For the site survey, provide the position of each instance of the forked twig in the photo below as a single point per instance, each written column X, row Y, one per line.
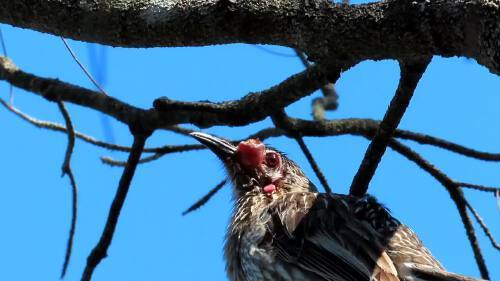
column 100, row 250
column 329, row 101
column 456, row 195
column 66, row 170
column 483, row 225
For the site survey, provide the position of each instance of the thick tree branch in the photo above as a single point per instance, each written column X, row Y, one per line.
column 382, row 30
column 410, row 75
column 249, row 109
column 100, row 250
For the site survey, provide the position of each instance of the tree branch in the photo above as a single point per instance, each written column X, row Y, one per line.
column 162, row 151
column 313, row 164
column 100, row 250
column 485, row 228
column 410, row 75
column 381, row 30
column 203, row 200
column 367, row 128
column 456, row 195
column 88, row 139
column 66, row 170
column 251, row 108
column 82, row 67
column 329, row 101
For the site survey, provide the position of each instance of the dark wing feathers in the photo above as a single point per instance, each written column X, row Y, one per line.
column 321, row 234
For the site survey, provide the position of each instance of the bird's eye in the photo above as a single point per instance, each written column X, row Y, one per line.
column 272, row 159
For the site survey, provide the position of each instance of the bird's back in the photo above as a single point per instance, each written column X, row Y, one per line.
column 311, row 236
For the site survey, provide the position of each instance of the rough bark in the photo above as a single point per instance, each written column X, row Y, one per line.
column 326, row 32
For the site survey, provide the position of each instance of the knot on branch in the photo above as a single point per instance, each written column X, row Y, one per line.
column 7, row 67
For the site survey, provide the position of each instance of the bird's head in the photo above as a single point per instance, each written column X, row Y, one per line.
column 254, row 167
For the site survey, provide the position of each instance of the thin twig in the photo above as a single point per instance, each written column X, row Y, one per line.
column 483, row 225
column 87, row 73
column 329, row 101
column 456, row 195
column 444, row 144
column 313, row 164
column 100, row 250
column 272, row 52
column 60, row 128
column 410, row 75
column 479, row 187
column 179, row 130
column 4, row 51
column 2, row 42
column 66, row 170
column 203, row 200
column 162, row 151
column 165, row 150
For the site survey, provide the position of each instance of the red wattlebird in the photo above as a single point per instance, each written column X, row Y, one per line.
column 282, row 229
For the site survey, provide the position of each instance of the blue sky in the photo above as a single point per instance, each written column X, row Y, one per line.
column 457, row 99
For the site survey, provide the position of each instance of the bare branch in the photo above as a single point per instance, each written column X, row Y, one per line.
column 410, row 75
column 254, row 106
column 380, row 30
column 444, row 144
column 203, row 200
column 313, row 164
column 60, row 128
column 479, row 187
column 481, row 222
column 161, row 151
column 2, row 44
column 100, row 250
column 87, row 73
column 164, row 150
column 329, row 101
column 365, row 128
column 249, row 109
column 5, row 54
column 456, row 195
column 275, row 53
column 66, row 170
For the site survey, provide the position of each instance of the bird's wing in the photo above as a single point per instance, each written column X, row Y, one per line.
column 319, row 233
column 430, row 273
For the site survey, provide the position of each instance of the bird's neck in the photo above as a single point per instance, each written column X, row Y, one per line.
column 249, row 209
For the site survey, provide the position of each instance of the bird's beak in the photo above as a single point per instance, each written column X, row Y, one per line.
column 222, row 148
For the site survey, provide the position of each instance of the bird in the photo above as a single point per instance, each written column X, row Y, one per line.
column 283, row 229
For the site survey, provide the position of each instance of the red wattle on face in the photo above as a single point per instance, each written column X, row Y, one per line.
column 250, row 153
